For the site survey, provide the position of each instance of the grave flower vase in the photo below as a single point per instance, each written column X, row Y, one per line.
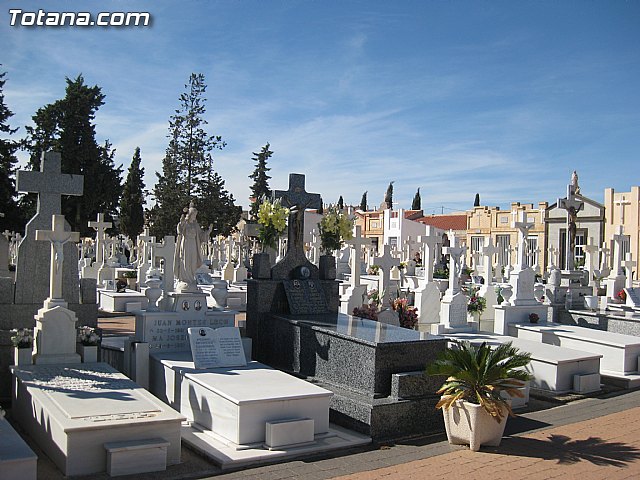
column 327, row 265
column 261, row 266
column 88, row 353
column 22, row 356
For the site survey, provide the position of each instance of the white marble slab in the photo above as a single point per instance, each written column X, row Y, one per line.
column 236, row 402
column 17, row 460
column 619, row 352
column 73, row 410
column 552, row 367
column 110, row 301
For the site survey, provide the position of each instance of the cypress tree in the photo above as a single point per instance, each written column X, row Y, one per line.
column 363, row 202
column 131, row 204
column 340, row 203
column 417, row 201
column 260, row 187
column 476, row 202
column 12, row 219
column 388, row 197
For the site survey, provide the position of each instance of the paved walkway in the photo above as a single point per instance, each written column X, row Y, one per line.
column 594, row 438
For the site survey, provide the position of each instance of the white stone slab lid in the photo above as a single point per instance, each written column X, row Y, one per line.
column 539, row 351
column 242, row 385
column 583, row 333
column 12, row 447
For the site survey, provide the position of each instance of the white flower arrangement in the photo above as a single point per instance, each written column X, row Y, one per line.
column 22, row 338
column 88, row 336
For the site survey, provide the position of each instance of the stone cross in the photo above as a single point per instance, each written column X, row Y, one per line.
column 357, row 242
column 33, row 257
column 428, row 242
column 58, row 236
column 618, row 239
column 454, row 252
column 297, row 200
column 50, row 184
column 166, row 251
column 409, row 246
column 553, row 256
column 591, row 250
column 475, row 256
column 572, row 205
column 386, row 263
column 523, row 232
column 628, row 265
column 488, row 251
column 605, row 251
column 100, row 226
column 622, row 203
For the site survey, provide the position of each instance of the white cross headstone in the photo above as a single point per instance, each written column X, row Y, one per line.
column 386, row 263
column 429, row 243
column 455, row 269
column 591, row 260
column 488, row 251
column 523, row 227
column 356, row 243
column 57, row 236
column 100, row 226
column 629, row 264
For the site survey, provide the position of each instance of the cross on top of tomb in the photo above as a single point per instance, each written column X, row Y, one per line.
column 386, row 263
column 50, row 184
column 100, row 225
column 488, row 251
column 357, row 242
column 572, row 205
column 58, row 236
column 297, row 199
column 455, row 269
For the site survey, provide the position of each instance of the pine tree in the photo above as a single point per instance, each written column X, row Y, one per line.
column 12, row 219
column 216, row 205
column 132, row 201
column 340, row 203
column 417, row 201
column 476, row 202
column 67, row 126
column 187, row 170
column 260, row 187
column 363, row 202
column 170, row 198
column 388, row 197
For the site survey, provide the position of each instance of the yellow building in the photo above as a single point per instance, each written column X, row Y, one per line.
column 623, row 208
column 486, row 223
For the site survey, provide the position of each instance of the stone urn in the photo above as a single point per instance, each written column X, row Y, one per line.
column 538, row 292
column 153, row 293
column 261, row 268
column 327, row 265
column 88, row 353
column 507, row 293
column 219, row 293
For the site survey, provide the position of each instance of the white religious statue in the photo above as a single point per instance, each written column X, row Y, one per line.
column 188, row 254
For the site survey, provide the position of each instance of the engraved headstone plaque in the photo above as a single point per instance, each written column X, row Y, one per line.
column 216, row 348
column 305, row 297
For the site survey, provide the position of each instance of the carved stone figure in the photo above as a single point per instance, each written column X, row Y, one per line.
column 188, row 254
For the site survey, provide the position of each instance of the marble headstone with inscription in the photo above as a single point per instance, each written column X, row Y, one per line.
column 216, row 348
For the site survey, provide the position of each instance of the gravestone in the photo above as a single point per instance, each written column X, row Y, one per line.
column 629, row 264
column 386, row 262
column 427, row 295
column 453, row 308
column 315, row 346
column 100, row 226
column 221, row 347
column 354, row 295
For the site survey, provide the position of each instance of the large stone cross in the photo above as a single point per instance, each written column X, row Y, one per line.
column 58, row 236
column 523, row 232
column 488, row 251
column 455, row 268
column 591, row 251
column 386, row 262
column 33, row 257
column 572, row 205
column 297, row 200
column 50, row 184
column 99, row 226
column 357, row 242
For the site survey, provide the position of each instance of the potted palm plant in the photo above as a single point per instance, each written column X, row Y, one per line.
column 474, row 408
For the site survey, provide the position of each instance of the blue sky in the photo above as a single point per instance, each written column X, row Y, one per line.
column 503, row 98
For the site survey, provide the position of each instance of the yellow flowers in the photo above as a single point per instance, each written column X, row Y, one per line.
column 335, row 228
column 272, row 217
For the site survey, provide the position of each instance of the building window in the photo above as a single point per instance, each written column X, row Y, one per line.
column 503, row 242
column 532, row 254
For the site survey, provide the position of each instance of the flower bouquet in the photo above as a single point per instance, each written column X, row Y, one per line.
column 335, row 228
column 622, row 296
column 476, row 302
column 22, row 338
column 272, row 217
column 407, row 316
column 88, row 336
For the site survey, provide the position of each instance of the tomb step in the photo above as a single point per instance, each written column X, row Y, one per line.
column 137, row 456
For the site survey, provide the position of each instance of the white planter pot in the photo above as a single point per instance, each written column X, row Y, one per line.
column 470, row 424
column 22, row 356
